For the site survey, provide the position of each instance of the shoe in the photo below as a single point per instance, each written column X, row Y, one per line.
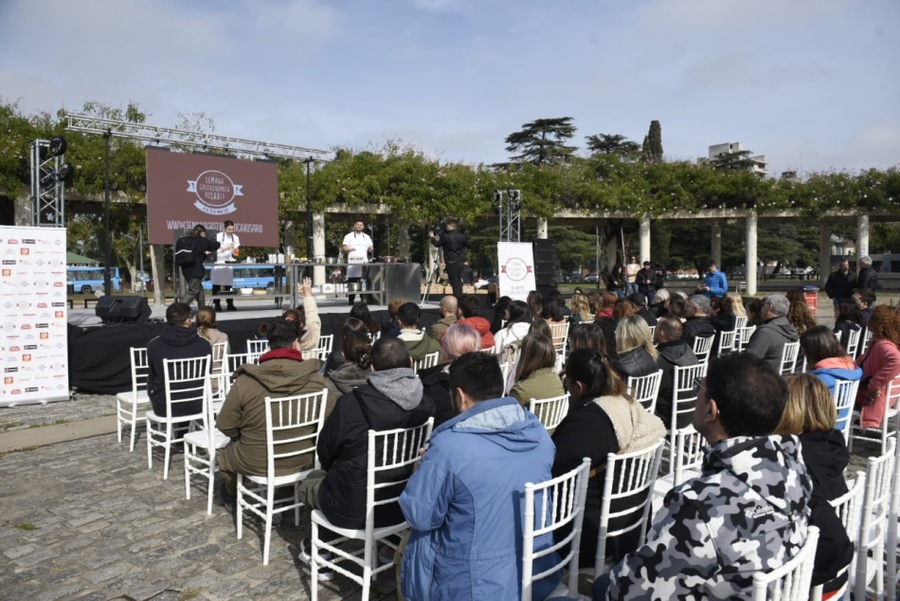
column 231, row 308
column 229, row 502
column 385, row 555
column 305, row 557
column 217, row 307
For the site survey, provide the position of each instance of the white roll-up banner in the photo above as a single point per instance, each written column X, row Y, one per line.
column 33, row 316
column 516, row 261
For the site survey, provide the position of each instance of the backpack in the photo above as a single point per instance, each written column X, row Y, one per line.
column 184, row 252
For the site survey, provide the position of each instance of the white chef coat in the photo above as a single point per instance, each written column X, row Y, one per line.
column 222, row 275
column 359, row 243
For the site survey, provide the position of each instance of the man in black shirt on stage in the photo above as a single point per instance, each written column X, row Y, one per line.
column 454, row 243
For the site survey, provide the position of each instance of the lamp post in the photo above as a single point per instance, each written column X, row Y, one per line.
column 309, row 222
column 107, row 282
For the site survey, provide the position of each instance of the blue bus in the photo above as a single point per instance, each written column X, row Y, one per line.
column 248, row 275
column 88, row 279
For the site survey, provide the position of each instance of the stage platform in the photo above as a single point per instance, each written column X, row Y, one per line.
column 99, row 354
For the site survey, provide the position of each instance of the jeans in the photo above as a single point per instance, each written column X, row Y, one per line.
column 630, row 288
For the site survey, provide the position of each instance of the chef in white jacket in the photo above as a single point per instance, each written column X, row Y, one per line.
column 222, row 276
column 357, row 246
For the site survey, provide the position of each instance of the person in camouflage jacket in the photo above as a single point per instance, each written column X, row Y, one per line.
column 747, row 512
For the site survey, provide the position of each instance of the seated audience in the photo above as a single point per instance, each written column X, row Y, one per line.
column 356, row 351
column 697, row 324
column 608, row 326
column 535, row 303
column 607, row 305
column 810, row 416
column 518, row 322
column 336, row 358
column 880, row 364
column 393, row 397
column 391, row 327
column 848, row 319
column 468, row 315
column 208, row 328
column 281, row 372
column 464, row 502
column 178, row 340
column 754, row 312
column 361, row 312
column 587, row 335
column 865, row 300
column 457, row 341
column 737, row 303
column 800, row 316
column 556, row 297
column 747, row 512
column 417, row 342
column 768, row 340
column 678, row 307
column 639, row 301
column 499, row 318
column 448, row 310
column 535, row 378
column 826, row 358
column 581, row 310
column 660, row 303
column 262, row 331
column 602, row 419
column 673, row 351
column 595, row 300
column 636, row 355
column 310, row 323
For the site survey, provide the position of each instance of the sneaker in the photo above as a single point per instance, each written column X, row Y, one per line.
column 229, row 502
column 305, row 557
column 385, row 555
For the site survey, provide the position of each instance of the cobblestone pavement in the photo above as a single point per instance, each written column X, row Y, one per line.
column 78, row 408
column 87, row 520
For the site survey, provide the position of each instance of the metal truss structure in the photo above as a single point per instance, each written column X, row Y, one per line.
column 510, row 214
column 48, row 190
column 190, row 139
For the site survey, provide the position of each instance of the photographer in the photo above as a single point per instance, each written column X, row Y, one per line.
column 454, row 244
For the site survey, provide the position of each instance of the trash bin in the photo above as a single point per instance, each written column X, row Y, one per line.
column 811, row 296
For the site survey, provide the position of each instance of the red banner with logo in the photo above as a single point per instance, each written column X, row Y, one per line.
column 184, row 190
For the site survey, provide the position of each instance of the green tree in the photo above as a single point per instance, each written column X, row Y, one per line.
column 543, row 141
column 612, row 144
column 654, row 142
column 733, row 161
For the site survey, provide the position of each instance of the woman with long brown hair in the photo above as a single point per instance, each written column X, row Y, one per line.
column 880, row 364
column 535, row 378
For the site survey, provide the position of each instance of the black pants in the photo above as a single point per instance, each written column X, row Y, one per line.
column 216, row 289
column 454, row 274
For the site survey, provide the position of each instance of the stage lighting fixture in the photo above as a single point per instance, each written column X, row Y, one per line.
column 64, row 172
column 58, row 146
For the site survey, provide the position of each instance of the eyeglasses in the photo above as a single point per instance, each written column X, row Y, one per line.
column 698, row 384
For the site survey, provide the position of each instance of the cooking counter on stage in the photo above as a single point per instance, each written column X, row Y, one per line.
column 384, row 281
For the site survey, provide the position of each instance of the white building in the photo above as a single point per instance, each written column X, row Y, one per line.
column 760, row 165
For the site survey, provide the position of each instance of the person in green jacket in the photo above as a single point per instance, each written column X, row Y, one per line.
column 535, row 378
column 417, row 342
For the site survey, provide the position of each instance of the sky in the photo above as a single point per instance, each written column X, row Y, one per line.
column 812, row 84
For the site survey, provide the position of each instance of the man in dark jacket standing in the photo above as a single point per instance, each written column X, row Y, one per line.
column 178, row 340
column 868, row 277
column 646, row 280
column 768, row 340
column 281, row 372
column 840, row 284
column 673, row 351
column 200, row 247
column 454, row 243
column 393, row 397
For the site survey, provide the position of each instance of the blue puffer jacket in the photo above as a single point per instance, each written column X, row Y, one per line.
column 466, row 502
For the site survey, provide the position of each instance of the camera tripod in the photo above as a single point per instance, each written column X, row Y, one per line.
column 436, row 273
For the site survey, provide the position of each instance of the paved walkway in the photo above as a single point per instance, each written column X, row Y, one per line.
column 86, row 519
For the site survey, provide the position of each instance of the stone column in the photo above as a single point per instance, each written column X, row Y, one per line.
column 750, row 255
column 158, row 269
column 716, row 248
column 645, row 239
column 824, row 253
column 541, row 228
column 862, row 235
column 319, row 247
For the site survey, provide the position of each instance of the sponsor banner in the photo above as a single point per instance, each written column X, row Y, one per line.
column 33, row 358
column 516, row 261
column 184, row 190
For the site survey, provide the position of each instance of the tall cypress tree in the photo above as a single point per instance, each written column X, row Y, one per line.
column 655, row 140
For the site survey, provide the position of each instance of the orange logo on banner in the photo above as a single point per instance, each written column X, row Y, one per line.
column 8, row 380
column 25, row 251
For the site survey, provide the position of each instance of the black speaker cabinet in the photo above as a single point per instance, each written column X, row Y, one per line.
column 123, row 309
